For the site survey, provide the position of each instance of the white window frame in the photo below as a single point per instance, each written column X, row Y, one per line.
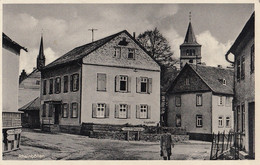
column 177, row 105
column 143, row 111
column 117, row 52
column 199, row 100
column 73, row 114
column 144, row 80
column 100, row 110
column 131, row 50
column 220, row 121
column 123, row 78
column 228, row 124
column 221, row 100
column 122, row 109
column 224, row 82
column 187, row 81
column 199, row 121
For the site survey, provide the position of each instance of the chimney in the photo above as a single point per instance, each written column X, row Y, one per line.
column 134, row 35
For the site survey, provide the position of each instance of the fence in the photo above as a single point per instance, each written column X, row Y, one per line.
column 226, row 146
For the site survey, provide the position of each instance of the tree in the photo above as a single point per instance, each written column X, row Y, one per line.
column 158, row 47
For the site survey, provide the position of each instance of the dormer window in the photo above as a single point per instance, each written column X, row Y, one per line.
column 131, row 53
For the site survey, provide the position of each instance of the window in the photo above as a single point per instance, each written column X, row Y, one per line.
column 220, row 121
column 199, row 100
column 100, row 110
column 187, row 52
column 243, row 117
column 50, row 108
column 44, row 87
column 122, row 83
column 57, row 85
column 51, row 87
column 221, row 101
column 74, row 110
column 37, row 82
column 44, row 110
column 178, row 120
column 117, row 53
column 198, row 120
column 143, row 112
column 190, row 61
column 131, row 53
column 242, row 67
column 122, row 111
column 224, row 82
column 74, row 82
column 187, row 81
column 177, row 101
column 238, row 119
column 101, row 82
column 228, row 101
column 252, row 59
column 65, row 112
column 66, row 84
column 143, row 85
column 228, row 121
column 238, row 69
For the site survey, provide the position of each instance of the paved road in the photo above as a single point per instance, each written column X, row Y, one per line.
column 42, row 146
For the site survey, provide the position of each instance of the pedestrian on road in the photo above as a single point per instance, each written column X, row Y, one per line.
column 166, row 146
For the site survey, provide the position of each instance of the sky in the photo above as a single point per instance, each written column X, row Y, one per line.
column 65, row 26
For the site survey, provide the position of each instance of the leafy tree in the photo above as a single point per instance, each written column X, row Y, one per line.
column 157, row 45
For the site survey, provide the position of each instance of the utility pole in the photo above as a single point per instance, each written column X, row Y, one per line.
column 92, row 30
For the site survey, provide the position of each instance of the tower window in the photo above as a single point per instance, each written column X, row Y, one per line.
column 187, row 52
column 190, row 61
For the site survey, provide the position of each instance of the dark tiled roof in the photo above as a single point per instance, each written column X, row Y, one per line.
column 10, row 42
column 33, row 105
column 81, row 51
column 213, row 77
column 190, row 38
column 169, row 76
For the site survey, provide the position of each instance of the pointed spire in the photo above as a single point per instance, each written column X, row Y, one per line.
column 41, row 51
column 41, row 56
column 190, row 36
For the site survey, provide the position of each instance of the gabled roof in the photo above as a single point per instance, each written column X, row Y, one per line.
column 190, row 38
column 79, row 52
column 213, row 77
column 34, row 74
column 248, row 28
column 33, row 105
column 169, row 76
column 9, row 42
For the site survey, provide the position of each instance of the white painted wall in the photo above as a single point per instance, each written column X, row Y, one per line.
column 221, row 110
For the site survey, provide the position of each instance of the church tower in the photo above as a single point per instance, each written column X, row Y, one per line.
column 190, row 49
column 41, row 57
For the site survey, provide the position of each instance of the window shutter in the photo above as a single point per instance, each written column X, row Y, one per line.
column 128, row 84
column 138, row 84
column 107, row 111
column 149, row 112
column 71, row 83
column 77, row 82
column 150, row 81
column 128, row 111
column 117, row 83
column 116, row 111
column 94, row 110
column 138, row 111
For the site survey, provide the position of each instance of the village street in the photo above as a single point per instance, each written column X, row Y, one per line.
column 60, row 146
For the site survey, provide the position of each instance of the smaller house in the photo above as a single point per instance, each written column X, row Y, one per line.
column 200, row 100
column 31, row 117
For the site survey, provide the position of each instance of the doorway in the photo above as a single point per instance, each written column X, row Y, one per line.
column 251, row 129
column 57, row 110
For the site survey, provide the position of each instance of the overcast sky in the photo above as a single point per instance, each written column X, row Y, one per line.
column 65, row 27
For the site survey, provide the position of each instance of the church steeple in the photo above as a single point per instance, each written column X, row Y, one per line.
column 190, row 49
column 41, row 57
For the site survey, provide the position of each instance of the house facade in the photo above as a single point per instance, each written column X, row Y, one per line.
column 110, row 81
column 11, row 118
column 243, row 50
column 200, row 100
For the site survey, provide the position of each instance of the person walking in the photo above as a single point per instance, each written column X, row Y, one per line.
column 166, row 146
